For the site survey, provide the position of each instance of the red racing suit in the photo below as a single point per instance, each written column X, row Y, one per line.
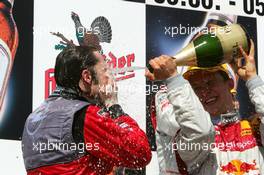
column 112, row 142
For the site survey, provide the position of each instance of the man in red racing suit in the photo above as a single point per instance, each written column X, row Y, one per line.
column 80, row 129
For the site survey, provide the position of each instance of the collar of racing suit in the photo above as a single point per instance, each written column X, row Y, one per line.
column 70, row 94
column 225, row 119
column 66, row 93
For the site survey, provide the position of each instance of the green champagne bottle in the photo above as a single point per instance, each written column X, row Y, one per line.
column 213, row 49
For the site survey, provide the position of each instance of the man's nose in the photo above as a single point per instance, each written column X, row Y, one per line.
column 204, row 91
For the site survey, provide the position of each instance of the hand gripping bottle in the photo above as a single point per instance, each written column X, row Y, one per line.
column 8, row 44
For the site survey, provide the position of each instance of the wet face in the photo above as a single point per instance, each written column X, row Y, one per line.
column 213, row 91
column 104, row 76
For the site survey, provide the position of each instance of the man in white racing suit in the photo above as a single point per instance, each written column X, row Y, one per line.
column 199, row 130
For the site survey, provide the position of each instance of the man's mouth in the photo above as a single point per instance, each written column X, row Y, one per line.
column 210, row 101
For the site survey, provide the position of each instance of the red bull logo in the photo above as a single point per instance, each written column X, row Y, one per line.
column 237, row 167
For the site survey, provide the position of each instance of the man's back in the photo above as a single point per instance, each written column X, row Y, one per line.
column 47, row 137
column 74, row 137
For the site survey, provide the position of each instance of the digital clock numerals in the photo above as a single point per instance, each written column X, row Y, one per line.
column 250, row 6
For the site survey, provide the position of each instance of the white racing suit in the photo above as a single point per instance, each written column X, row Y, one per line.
column 186, row 135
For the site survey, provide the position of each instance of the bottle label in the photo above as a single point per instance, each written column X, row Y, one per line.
column 5, row 60
column 231, row 37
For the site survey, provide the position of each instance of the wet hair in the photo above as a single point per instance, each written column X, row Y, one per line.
column 71, row 62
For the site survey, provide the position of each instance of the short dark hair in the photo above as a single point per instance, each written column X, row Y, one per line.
column 71, row 62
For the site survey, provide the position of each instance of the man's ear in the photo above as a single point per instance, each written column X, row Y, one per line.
column 86, row 76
